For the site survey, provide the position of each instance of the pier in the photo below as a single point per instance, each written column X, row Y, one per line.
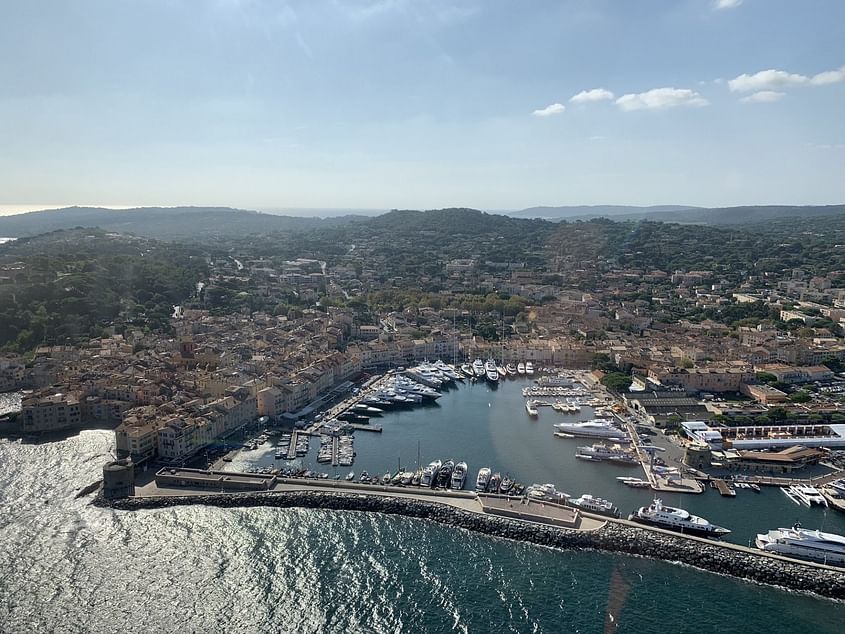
column 466, row 510
column 723, row 488
column 292, row 447
column 670, row 483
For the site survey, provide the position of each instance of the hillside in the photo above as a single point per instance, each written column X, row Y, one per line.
column 69, row 285
column 745, row 215
column 164, row 223
column 595, row 211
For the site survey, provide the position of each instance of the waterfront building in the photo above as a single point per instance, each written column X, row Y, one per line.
column 49, row 411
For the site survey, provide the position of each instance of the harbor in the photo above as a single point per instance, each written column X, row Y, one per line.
column 486, row 425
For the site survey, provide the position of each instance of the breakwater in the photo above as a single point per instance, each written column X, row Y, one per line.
column 614, row 537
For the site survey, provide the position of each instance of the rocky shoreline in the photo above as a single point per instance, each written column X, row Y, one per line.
column 614, row 537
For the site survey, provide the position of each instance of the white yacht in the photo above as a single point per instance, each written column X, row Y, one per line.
column 520, row 368
column 675, row 519
column 511, row 369
column 459, row 476
column 429, row 474
column 491, row 371
column 596, row 428
column 478, row 367
column 466, row 368
column 826, row 548
column 529, row 368
column 600, row 452
column 546, row 492
column 634, row 483
column 531, row 408
column 595, row 505
column 483, row 479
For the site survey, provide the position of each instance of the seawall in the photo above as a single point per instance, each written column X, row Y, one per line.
column 614, row 537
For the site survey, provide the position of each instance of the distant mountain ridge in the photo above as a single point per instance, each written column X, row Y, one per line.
column 208, row 223
column 593, row 211
column 166, row 223
column 748, row 214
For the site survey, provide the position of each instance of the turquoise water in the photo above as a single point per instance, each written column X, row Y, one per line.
column 66, row 566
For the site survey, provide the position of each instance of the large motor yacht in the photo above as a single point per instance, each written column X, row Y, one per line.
column 675, row 519
column 827, row 548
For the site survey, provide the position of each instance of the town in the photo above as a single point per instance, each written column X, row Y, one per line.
column 262, row 336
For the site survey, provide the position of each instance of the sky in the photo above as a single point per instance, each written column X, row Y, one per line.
column 492, row 104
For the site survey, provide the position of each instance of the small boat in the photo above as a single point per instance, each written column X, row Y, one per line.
column 365, row 477
column 385, row 479
column 429, row 474
column 506, row 485
column 444, row 475
column 493, row 485
column 531, row 408
column 482, row 480
column 459, row 476
column 350, row 476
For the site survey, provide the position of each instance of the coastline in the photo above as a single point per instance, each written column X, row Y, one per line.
column 615, row 536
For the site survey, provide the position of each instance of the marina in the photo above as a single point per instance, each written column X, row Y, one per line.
column 486, row 425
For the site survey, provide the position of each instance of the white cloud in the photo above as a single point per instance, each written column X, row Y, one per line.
column 588, row 96
column 548, row 111
column 764, row 96
column 727, row 4
column 828, row 77
column 771, row 79
column 766, row 80
column 660, row 98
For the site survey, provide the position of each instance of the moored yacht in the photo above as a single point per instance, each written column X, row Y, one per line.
column 493, row 485
column 459, row 476
column 466, row 368
column 444, row 474
column 491, row 371
column 596, row 428
column 506, row 485
column 531, row 408
column 675, row 519
column 478, row 367
column 483, row 479
column 529, row 368
column 826, row 548
column 511, row 369
column 520, row 368
column 593, row 504
column 429, row 474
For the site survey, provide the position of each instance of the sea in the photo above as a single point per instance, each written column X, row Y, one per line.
column 67, row 566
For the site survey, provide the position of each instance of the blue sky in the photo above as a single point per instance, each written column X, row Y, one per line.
column 416, row 104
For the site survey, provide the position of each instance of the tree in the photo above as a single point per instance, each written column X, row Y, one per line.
column 766, row 377
column 616, row 381
column 801, row 396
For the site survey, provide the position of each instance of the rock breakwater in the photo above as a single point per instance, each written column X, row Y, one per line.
column 614, row 537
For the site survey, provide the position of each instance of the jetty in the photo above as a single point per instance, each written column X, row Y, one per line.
column 723, row 488
column 509, row 519
column 292, row 447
